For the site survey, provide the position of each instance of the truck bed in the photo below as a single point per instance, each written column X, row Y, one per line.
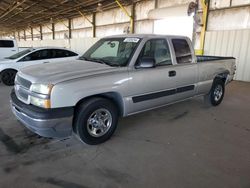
column 204, row 58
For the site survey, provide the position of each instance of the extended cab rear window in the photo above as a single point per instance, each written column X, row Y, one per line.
column 182, row 51
column 6, row 44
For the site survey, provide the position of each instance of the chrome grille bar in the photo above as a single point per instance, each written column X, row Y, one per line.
column 23, row 82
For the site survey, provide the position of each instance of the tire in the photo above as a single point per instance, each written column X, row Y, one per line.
column 216, row 93
column 8, row 77
column 95, row 121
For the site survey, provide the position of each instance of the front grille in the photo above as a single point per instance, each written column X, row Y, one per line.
column 22, row 87
column 23, row 82
column 23, row 94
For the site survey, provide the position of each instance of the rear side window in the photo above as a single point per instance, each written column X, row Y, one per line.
column 57, row 53
column 182, row 51
column 6, row 44
column 70, row 54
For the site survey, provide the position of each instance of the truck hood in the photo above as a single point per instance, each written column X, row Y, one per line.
column 54, row 73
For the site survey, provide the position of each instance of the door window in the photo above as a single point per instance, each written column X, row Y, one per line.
column 70, row 53
column 37, row 55
column 58, row 53
column 182, row 51
column 157, row 49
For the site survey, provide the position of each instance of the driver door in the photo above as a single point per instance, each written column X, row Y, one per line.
column 153, row 87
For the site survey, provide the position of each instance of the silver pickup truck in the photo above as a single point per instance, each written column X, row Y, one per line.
column 118, row 76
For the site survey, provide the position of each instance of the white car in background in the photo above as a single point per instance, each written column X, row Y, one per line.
column 32, row 56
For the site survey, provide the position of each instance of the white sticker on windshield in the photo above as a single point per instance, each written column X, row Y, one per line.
column 135, row 40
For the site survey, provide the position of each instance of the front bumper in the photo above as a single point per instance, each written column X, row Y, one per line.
column 53, row 123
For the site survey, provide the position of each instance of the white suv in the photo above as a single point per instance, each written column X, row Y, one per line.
column 8, row 47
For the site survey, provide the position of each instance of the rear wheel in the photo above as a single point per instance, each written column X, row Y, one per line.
column 8, row 77
column 95, row 121
column 216, row 93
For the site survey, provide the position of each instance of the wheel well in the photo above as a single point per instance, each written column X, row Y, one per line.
column 114, row 97
column 4, row 71
column 222, row 76
column 7, row 70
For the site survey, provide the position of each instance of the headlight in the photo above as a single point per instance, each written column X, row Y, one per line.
column 42, row 88
column 44, row 103
column 41, row 95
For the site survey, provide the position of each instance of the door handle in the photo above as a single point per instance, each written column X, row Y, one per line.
column 172, row 73
column 46, row 62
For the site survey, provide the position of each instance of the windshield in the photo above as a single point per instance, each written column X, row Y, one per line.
column 112, row 51
column 19, row 54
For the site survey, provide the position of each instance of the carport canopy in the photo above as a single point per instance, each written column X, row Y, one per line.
column 20, row 14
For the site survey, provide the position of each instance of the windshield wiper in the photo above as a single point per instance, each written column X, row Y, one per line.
column 97, row 61
column 92, row 59
column 83, row 58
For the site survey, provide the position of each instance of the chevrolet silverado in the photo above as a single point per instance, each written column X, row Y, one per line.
column 118, row 76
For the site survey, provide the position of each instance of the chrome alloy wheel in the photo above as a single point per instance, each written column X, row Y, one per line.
column 99, row 122
column 218, row 92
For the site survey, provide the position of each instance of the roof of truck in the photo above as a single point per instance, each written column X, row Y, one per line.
column 145, row 36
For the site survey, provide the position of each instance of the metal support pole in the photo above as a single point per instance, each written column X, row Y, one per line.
column 41, row 32
column 24, row 35
column 18, row 34
column 70, row 31
column 205, row 5
column 156, row 4
column 94, row 24
column 53, row 31
column 131, row 17
column 32, row 36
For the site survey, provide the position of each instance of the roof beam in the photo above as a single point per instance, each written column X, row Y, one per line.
column 40, row 12
column 11, row 8
column 26, row 8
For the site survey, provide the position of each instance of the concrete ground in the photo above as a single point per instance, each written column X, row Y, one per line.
column 184, row 145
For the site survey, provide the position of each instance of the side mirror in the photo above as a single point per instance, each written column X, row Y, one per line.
column 146, row 62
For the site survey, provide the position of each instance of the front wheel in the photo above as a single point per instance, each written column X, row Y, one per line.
column 216, row 93
column 8, row 77
column 95, row 121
